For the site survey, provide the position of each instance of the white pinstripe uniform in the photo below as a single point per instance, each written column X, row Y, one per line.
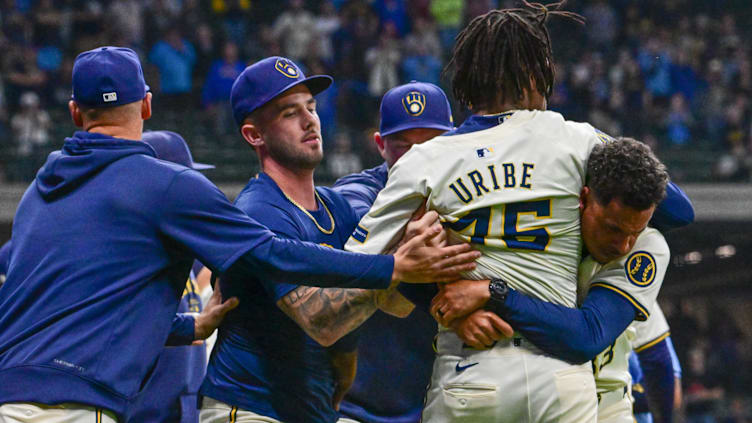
column 638, row 277
column 513, row 190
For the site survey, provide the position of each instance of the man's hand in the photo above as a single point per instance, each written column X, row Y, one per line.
column 210, row 318
column 481, row 329
column 458, row 299
column 418, row 261
column 345, row 367
column 392, row 302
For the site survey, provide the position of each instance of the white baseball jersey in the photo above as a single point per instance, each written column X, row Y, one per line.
column 511, row 188
column 638, row 277
column 651, row 331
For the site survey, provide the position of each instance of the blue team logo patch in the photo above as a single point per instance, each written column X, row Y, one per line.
column 414, row 103
column 286, row 68
column 640, row 268
column 360, row 234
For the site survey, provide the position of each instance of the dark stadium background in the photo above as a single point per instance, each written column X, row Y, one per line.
column 676, row 74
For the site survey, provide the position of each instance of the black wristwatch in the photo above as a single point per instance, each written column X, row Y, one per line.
column 499, row 291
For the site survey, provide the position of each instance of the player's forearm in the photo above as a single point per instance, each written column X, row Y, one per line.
column 659, row 379
column 572, row 334
column 292, row 261
column 328, row 314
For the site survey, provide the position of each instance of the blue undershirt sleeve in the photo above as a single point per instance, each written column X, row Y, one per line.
column 658, row 379
column 221, row 236
column 419, row 294
column 572, row 334
column 182, row 330
column 674, row 211
column 305, row 263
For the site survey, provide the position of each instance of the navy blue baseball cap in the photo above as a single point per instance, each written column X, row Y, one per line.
column 108, row 77
column 171, row 147
column 266, row 79
column 415, row 105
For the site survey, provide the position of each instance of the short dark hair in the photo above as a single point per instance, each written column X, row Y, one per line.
column 626, row 170
column 499, row 52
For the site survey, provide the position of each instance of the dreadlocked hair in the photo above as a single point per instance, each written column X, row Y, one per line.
column 496, row 55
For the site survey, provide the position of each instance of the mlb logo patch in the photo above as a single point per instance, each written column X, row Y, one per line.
column 109, row 97
column 360, row 234
column 484, row 152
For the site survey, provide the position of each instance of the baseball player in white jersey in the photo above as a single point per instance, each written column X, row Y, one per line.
column 508, row 180
column 638, row 276
column 620, row 275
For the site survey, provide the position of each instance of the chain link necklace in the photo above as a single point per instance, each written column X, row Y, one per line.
column 303, row 209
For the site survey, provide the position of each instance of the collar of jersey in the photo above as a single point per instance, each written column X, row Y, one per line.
column 476, row 123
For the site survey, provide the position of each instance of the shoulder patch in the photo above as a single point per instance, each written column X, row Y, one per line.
column 640, row 268
column 360, row 234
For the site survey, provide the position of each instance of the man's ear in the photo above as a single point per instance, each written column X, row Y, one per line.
column 252, row 135
column 146, row 107
column 584, row 197
column 379, row 140
column 75, row 113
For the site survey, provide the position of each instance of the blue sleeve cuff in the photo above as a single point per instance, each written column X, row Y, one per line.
column 571, row 334
column 182, row 331
column 419, row 294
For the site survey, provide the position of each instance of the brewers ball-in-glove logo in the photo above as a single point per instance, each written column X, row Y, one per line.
column 640, row 268
column 286, row 68
column 414, row 103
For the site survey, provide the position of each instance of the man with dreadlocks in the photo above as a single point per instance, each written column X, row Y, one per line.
column 507, row 180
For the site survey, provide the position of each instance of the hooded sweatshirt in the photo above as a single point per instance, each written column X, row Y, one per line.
column 103, row 241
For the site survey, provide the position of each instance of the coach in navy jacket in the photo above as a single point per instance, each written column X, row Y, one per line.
column 103, row 241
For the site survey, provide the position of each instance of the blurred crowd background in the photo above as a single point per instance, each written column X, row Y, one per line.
column 676, row 74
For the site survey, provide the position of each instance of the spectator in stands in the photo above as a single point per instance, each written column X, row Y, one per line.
column 175, row 57
column 296, row 28
column 448, row 16
column 342, row 160
column 21, row 73
column 128, row 21
column 30, row 131
column 393, row 12
column 678, row 122
column 423, row 36
column 382, row 60
column 216, row 92
column 421, row 66
column 326, row 24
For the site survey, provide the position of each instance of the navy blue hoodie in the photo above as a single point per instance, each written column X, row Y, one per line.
column 103, row 241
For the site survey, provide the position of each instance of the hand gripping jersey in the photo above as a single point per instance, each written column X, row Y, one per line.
column 638, row 277
column 508, row 183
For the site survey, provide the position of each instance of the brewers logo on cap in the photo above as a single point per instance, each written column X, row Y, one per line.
column 640, row 268
column 414, row 103
column 286, row 68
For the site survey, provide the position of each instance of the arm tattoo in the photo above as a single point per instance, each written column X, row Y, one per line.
column 329, row 313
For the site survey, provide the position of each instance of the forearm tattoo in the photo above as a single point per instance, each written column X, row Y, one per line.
column 329, row 312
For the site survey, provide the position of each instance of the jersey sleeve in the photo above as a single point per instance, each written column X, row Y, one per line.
column 650, row 332
column 405, row 191
column 358, row 195
column 638, row 276
column 283, row 225
column 198, row 216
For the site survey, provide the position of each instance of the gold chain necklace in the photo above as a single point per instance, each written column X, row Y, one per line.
column 331, row 219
